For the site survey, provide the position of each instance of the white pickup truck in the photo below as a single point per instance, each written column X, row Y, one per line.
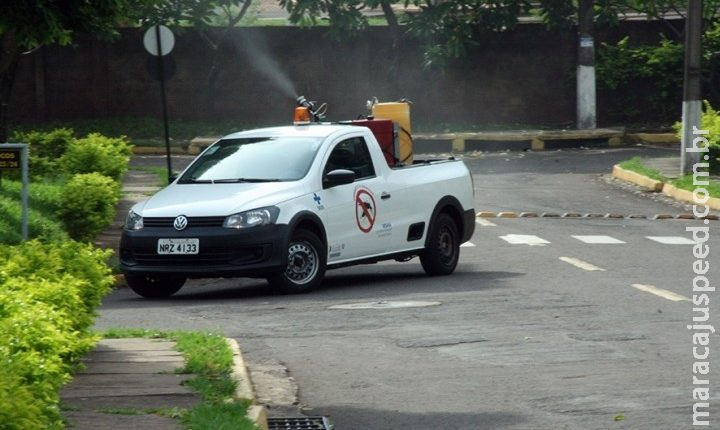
column 287, row 203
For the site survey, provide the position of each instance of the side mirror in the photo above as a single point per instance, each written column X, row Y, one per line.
column 338, row 177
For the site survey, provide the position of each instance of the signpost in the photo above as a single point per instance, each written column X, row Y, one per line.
column 14, row 156
column 159, row 41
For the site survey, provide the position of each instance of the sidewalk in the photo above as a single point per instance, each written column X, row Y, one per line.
column 130, row 384
column 125, row 384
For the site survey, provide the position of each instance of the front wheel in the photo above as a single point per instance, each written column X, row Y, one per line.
column 442, row 253
column 154, row 287
column 305, row 265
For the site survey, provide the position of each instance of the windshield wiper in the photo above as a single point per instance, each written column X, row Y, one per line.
column 195, row 181
column 239, row 180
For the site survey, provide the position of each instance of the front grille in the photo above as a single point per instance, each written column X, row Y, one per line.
column 198, row 221
column 299, row 423
column 204, row 258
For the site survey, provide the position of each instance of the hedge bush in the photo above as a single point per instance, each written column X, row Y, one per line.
column 48, row 297
column 97, row 153
column 44, row 203
column 46, row 148
column 709, row 120
column 88, row 204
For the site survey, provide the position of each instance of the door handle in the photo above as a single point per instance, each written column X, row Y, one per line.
column 385, row 195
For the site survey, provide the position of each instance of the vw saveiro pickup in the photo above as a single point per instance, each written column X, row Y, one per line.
column 288, row 203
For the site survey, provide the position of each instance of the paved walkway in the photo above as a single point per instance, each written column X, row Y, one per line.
column 127, row 384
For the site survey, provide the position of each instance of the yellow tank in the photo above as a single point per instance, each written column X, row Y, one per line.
column 399, row 113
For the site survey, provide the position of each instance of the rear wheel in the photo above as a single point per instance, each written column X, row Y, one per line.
column 306, row 264
column 441, row 255
column 154, row 287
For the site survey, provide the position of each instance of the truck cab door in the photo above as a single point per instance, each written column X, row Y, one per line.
column 353, row 212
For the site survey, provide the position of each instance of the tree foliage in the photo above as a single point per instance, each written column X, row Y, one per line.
column 212, row 20
column 650, row 76
column 28, row 24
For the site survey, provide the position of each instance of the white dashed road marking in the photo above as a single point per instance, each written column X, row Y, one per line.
column 582, row 264
column 524, row 239
column 665, row 294
column 672, row 240
column 599, row 240
column 467, row 245
column 485, row 223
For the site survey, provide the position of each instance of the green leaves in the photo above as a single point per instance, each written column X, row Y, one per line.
column 40, row 22
column 97, row 153
column 48, row 296
column 88, row 204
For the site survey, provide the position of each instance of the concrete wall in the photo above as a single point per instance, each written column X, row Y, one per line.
column 524, row 76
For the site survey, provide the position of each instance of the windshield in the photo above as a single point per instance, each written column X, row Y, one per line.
column 258, row 159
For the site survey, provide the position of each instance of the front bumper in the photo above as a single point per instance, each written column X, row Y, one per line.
column 223, row 252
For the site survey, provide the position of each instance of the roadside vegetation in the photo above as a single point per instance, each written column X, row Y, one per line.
column 210, row 359
column 139, row 131
column 636, row 165
column 709, row 120
column 48, row 295
column 75, row 186
column 51, row 285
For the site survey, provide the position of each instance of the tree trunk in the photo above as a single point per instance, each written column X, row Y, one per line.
column 9, row 59
column 394, row 67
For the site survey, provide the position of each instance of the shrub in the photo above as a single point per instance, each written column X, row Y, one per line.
column 709, row 120
column 97, row 153
column 645, row 77
column 46, row 148
column 48, row 297
column 58, row 262
column 44, row 201
column 18, row 409
column 88, row 204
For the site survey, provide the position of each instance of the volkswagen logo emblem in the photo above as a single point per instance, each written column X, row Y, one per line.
column 180, row 223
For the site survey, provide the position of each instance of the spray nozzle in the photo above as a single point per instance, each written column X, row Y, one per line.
column 317, row 113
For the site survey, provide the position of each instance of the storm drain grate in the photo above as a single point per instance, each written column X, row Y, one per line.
column 299, row 423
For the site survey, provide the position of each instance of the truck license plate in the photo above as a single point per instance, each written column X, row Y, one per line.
column 178, row 246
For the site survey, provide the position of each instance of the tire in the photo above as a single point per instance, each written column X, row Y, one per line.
column 306, row 264
column 442, row 252
column 153, row 287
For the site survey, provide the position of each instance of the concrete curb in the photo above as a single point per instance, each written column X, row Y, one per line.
column 658, row 186
column 687, row 196
column 662, row 139
column 637, row 179
column 245, row 390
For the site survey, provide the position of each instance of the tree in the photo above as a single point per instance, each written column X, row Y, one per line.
column 650, row 76
column 26, row 25
column 347, row 19
column 212, row 20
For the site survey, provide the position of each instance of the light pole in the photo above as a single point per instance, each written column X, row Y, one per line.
column 586, row 99
column 692, row 96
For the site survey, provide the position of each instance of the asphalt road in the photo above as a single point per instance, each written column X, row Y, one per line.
column 546, row 324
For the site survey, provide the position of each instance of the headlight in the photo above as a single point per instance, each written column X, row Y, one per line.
column 133, row 221
column 252, row 218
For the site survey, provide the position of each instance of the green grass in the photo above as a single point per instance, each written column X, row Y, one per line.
column 43, row 202
column 635, row 164
column 210, row 359
column 684, row 183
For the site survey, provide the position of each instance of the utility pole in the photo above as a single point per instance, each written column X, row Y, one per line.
column 586, row 100
column 692, row 96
